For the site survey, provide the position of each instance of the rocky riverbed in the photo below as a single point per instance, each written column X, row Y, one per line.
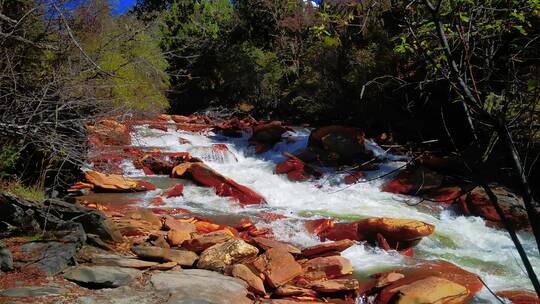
column 177, row 209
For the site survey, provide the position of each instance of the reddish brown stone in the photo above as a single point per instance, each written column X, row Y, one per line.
column 327, row 247
column 327, row 268
column 519, row 296
column 266, row 244
column 278, row 266
column 175, row 191
column 200, row 243
column 414, row 180
column 244, row 273
column 336, row 285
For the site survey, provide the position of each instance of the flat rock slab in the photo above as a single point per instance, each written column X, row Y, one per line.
column 182, row 257
column 200, row 286
column 32, row 291
column 50, row 257
column 102, row 276
column 122, row 261
column 122, row 295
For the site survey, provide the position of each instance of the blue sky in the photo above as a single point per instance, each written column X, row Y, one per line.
column 121, row 6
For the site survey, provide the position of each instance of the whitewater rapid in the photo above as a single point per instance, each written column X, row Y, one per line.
column 465, row 241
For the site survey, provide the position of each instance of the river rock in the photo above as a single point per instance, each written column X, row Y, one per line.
column 108, row 132
column 428, row 290
column 175, row 191
column 218, row 256
column 170, row 223
column 477, row 203
column 519, row 296
column 327, row 247
column 200, row 286
column 336, row 285
column 102, row 276
column 243, row 272
column 182, row 257
column 266, row 244
column 223, row 186
column 278, row 266
column 177, row 237
column 268, row 134
column 291, row 290
column 50, row 257
column 327, row 268
column 413, row 180
column 6, row 259
column 116, row 183
column 121, row 261
column 202, row 242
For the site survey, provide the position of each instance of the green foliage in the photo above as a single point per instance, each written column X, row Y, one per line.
column 9, row 156
column 17, row 188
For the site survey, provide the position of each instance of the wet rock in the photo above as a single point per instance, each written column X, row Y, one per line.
column 223, row 186
column 177, row 190
column 336, row 285
column 224, row 254
column 165, row 266
column 439, row 269
column 202, row 242
column 519, row 296
column 327, row 268
column 445, row 195
column 182, row 257
column 278, row 266
column 101, row 276
column 122, row 261
column 339, row 246
column 218, row 153
column 177, row 237
column 413, row 180
column 353, row 178
column 339, row 231
column 200, row 286
column 346, row 143
column 268, row 134
column 32, row 291
column 266, row 244
column 297, row 170
column 244, row 273
column 116, row 183
column 427, row 290
column 6, row 258
column 477, row 203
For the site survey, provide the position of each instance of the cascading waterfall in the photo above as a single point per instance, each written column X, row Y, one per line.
column 465, row 241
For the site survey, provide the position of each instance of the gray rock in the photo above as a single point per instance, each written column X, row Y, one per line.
column 102, row 276
column 219, row 256
column 50, row 257
column 6, row 259
column 32, row 291
column 182, row 257
column 196, row 286
column 122, row 261
column 122, row 295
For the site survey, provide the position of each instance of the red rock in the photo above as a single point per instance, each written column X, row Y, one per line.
column 170, row 211
column 439, row 269
column 413, row 180
column 108, row 132
column 291, row 290
column 289, row 165
column 394, row 229
column 336, row 285
column 316, row 136
column 327, row 268
column 427, row 290
column 181, row 119
column 170, row 223
column 269, row 132
column 244, row 273
column 341, row 231
column 327, row 247
column 175, row 191
column 477, row 203
column 161, row 163
column 147, row 171
column 162, row 127
column 278, row 267
column 202, row 242
column 223, row 186
column 116, row 183
column 354, row 177
column 271, row 217
column 519, row 296
column 445, row 195
column 177, row 237
column 157, row 201
column 318, row 226
column 266, row 244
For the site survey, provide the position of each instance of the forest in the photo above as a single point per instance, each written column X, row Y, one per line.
column 449, row 88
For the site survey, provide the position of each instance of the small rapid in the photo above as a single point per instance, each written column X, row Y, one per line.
column 465, row 241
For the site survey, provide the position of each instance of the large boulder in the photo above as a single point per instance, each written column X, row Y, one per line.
column 102, row 276
column 297, row 170
column 430, row 290
column 223, row 186
column 519, row 296
column 478, row 203
column 345, row 144
column 202, row 242
column 224, row 254
column 331, row 267
column 278, row 266
column 243, row 272
column 200, row 286
column 327, row 247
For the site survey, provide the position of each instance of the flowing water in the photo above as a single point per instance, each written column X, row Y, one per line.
column 465, row 241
